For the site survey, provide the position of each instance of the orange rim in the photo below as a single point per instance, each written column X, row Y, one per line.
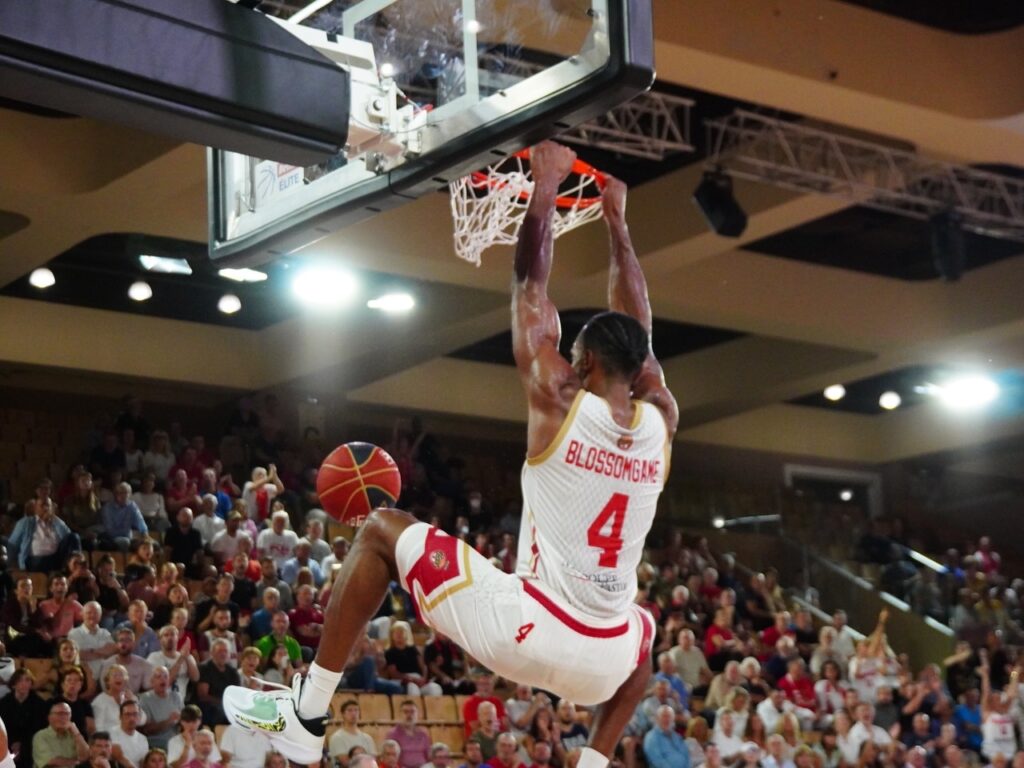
column 579, row 168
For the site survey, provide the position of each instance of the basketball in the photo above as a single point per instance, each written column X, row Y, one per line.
column 355, row 479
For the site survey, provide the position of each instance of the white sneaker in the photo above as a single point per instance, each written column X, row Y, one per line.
column 275, row 714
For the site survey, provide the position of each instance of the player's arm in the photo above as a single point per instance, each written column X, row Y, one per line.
column 627, row 293
column 535, row 326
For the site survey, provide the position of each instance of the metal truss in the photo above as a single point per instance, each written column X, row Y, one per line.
column 794, row 156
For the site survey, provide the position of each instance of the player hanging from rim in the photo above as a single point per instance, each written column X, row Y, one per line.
column 598, row 442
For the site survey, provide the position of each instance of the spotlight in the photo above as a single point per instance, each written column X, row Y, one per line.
column 165, row 264
column 718, row 521
column 243, row 275
column 229, row 304
column 41, row 278
column 968, row 393
column 846, row 495
column 835, row 392
column 949, row 248
column 392, row 302
column 890, row 400
column 473, row 27
column 140, row 291
column 387, row 69
column 324, row 287
column 714, row 198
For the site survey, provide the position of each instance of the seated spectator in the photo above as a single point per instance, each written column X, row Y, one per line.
column 690, row 663
column 280, row 637
column 23, row 713
column 203, row 746
column 177, row 597
column 826, row 651
column 122, row 520
column 60, row 741
column 413, row 739
column 140, row 561
column 777, row 665
column 181, row 748
column 207, row 522
column 777, row 757
column 279, row 667
column 389, row 754
column 179, row 663
column 70, row 689
column 572, row 734
column 720, row 645
column 20, row 616
column 151, row 504
column 727, row 738
column 404, row 661
column 506, row 753
column 42, row 541
column 302, row 559
column 348, row 735
column 446, row 664
column 249, row 662
column 307, row 622
column 484, row 682
column 146, row 641
column 182, row 542
column 241, row 748
column 81, row 581
column 95, row 644
column 130, row 745
column 215, row 675
column 361, row 673
column 159, row 458
column 798, row 687
column 186, row 637
column 667, row 672
column 144, row 588
column 100, row 752
column 180, row 493
column 221, row 600
column 318, row 548
column 723, row 684
column 277, row 541
column 162, row 707
column 865, row 730
column 137, row 668
column 269, row 579
column 58, row 614
column 112, row 597
column 82, row 508
column 487, row 730
column 220, row 630
column 69, row 660
column 781, row 627
column 259, row 623
column 830, row 692
column 223, row 488
column 754, row 682
column 663, row 747
column 339, row 550
column 967, row 717
column 106, row 707
column 224, row 544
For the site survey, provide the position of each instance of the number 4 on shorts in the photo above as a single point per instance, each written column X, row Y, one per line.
column 524, row 631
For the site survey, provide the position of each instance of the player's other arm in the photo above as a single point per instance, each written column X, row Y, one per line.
column 627, row 293
column 546, row 375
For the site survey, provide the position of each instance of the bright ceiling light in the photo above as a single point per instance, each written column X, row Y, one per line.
column 967, row 393
column 324, row 287
column 392, row 302
column 387, row 69
column 718, row 522
column 229, row 304
column 166, row 265
column 846, row 495
column 243, row 275
column 890, row 400
column 41, row 278
column 140, row 291
column 473, row 27
column 835, row 392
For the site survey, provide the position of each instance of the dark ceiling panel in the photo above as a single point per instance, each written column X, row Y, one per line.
column 865, row 240
column 670, row 339
column 966, row 17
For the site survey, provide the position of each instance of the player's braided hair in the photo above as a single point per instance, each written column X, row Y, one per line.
column 618, row 341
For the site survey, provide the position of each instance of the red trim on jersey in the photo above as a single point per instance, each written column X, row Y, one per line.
column 576, row 626
column 647, row 638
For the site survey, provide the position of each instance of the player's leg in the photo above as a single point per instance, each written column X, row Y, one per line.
column 613, row 716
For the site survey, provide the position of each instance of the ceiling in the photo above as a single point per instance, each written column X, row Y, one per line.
column 816, row 291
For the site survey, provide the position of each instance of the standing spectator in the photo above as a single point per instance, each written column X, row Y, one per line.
column 94, row 642
column 348, row 735
column 224, row 544
column 277, row 541
column 413, row 739
column 259, row 492
column 163, row 710
column 130, row 746
column 215, row 675
column 663, row 747
column 60, row 743
column 42, row 541
column 180, row 664
column 23, row 713
column 181, row 749
column 137, row 668
column 183, row 543
column 107, row 456
column 58, row 614
column 207, row 523
column 243, row 748
column 307, row 619
column 146, row 641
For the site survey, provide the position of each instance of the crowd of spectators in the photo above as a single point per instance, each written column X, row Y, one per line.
column 173, row 571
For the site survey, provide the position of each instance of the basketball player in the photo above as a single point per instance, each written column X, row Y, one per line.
column 598, row 443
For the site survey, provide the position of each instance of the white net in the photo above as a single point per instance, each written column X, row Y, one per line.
column 488, row 206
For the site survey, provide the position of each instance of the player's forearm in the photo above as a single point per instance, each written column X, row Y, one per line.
column 536, row 237
column 627, row 287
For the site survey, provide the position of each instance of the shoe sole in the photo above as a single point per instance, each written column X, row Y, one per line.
column 297, row 753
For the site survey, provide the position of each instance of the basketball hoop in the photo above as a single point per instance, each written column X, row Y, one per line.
column 489, row 206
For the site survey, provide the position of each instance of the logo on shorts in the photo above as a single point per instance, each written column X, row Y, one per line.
column 439, row 559
column 625, row 443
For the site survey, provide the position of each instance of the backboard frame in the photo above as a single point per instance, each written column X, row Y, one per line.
column 628, row 70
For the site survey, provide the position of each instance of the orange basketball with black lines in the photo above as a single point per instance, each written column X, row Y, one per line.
column 355, row 479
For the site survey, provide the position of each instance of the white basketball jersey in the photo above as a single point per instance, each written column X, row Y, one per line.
column 588, row 503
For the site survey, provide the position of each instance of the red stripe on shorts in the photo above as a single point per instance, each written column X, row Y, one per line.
column 569, row 621
column 647, row 638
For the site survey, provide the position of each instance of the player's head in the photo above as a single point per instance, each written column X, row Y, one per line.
column 614, row 343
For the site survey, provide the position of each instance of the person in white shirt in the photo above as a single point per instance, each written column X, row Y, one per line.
column 181, row 664
column 259, row 493
column 318, row 548
column 95, row 644
column 207, row 522
column 339, row 549
column 866, row 730
column 181, row 749
column 243, row 748
column 728, row 741
column 773, row 708
column 845, row 642
column 225, row 544
column 151, row 504
column 130, row 746
column 775, row 747
column 277, row 541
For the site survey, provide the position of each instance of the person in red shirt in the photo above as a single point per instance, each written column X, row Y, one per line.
column 484, row 692
column 307, row 620
column 709, row 589
column 189, row 461
column 783, row 626
column 719, row 641
column 508, row 756
column 798, row 686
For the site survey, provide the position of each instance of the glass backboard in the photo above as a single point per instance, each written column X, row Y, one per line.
column 439, row 88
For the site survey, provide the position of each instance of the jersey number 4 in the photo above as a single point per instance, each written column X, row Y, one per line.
column 605, row 533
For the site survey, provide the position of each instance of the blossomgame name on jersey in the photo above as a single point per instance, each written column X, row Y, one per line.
column 601, row 461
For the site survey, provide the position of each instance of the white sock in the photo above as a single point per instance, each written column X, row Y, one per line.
column 590, row 758
column 317, row 690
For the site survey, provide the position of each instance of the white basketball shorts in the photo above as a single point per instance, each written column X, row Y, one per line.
column 517, row 627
